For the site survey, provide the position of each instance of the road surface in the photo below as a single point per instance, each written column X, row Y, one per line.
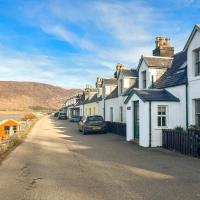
column 56, row 162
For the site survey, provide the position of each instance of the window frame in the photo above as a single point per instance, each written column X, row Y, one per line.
column 161, row 116
column 144, row 79
column 197, row 62
column 197, row 114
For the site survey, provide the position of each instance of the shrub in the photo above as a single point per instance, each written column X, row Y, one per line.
column 29, row 116
column 179, row 129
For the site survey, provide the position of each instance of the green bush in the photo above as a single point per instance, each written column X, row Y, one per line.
column 179, row 129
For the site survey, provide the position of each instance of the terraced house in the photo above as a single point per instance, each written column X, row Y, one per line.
column 168, row 93
column 161, row 93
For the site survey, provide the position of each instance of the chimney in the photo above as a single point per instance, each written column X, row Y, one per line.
column 119, row 67
column 163, row 47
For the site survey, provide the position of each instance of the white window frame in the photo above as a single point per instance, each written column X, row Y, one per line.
column 196, row 113
column 161, row 116
column 197, row 62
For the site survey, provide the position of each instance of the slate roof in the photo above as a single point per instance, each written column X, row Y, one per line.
column 92, row 99
column 176, row 74
column 157, row 61
column 110, row 81
column 129, row 90
column 113, row 94
column 152, row 95
column 129, row 72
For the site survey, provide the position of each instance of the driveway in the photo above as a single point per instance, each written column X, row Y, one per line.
column 56, row 162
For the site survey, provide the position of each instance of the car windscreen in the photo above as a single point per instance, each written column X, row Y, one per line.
column 95, row 118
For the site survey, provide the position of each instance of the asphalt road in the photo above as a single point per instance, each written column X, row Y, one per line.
column 56, row 162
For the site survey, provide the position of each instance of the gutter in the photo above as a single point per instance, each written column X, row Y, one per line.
column 150, row 134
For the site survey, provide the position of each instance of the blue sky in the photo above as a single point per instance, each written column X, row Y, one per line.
column 71, row 42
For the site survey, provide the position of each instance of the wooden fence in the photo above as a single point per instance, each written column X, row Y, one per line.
column 187, row 142
column 117, row 128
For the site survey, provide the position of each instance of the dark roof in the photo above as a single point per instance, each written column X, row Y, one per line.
column 129, row 90
column 129, row 72
column 92, row 99
column 152, row 95
column 110, row 81
column 176, row 74
column 113, row 94
column 195, row 29
column 157, row 61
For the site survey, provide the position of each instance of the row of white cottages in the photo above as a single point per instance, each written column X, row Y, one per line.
column 162, row 93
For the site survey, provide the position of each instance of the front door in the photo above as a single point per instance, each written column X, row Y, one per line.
column 136, row 119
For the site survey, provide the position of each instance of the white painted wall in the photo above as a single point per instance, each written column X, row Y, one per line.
column 180, row 109
column 194, row 81
column 112, row 103
column 143, row 124
column 174, row 119
column 101, row 107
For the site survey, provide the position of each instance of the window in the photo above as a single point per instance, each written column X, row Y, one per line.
column 197, row 62
column 144, row 79
column 94, row 110
column 197, row 112
column 121, row 113
column 162, row 116
column 7, row 129
column 111, row 114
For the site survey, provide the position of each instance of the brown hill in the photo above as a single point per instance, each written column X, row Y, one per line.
column 32, row 96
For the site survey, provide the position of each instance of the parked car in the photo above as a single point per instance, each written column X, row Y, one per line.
column 56, row 114
column 75, row 118
column 93, row 123
column 62, row 116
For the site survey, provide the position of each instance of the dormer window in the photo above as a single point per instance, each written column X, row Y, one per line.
column 144, row 79
column 197, row 62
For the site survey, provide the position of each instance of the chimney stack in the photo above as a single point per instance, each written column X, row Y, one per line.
column 163, row 47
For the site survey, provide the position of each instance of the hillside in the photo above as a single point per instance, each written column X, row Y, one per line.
column 32, row 96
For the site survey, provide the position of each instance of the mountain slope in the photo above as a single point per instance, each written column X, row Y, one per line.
column 32, row 96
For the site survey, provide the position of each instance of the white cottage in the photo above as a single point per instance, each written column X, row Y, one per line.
column 160, row 101
column 192, row 49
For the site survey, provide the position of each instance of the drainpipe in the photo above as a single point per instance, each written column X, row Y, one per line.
column 150, row 123
column 187, row 108
column 104, row 109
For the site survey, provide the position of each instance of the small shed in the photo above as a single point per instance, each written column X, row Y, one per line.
column 8, row 127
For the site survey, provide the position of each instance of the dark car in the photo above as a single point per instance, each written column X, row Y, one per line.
column 93, row 123
column 62, row 116
column 56, row 114
column 75, row 118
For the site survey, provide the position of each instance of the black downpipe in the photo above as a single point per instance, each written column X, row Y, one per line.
column 187, row 107
column 104, row 109
column 150, row 124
